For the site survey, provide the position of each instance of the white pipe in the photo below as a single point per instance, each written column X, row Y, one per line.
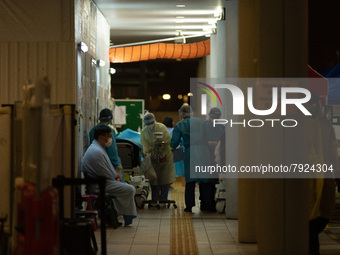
column 160, row 40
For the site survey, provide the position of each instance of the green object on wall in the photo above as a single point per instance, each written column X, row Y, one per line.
column 134, row 113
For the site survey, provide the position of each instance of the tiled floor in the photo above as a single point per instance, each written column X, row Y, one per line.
column 150, row 234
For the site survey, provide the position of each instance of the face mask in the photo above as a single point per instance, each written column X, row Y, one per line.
column 109, row 142
column 151, row 126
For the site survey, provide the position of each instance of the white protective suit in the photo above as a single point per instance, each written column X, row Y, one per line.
column 97, row 164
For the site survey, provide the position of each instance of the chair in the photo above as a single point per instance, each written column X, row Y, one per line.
column 76, row 234
column 90, row 199
column 110, row 212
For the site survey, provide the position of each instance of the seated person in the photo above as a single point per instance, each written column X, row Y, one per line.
column 96, row 163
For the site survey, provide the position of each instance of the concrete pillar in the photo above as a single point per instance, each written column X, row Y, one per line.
column 231, row 45
column 213, row 57
column 248, row 44
column 224, row 64
column 273, row 43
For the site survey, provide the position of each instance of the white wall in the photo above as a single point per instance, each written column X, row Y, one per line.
column 93, row 84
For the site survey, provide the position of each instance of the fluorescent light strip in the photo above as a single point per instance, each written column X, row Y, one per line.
column 196, row 12
column 193, row 27
column 195, row 33
column 202, row 20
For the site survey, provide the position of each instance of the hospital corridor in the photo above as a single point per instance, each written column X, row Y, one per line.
column 169, row 127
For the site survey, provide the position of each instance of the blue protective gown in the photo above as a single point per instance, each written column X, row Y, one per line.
column 179, row 166
column 97, row 164
column 196, row 152
column 195, row 145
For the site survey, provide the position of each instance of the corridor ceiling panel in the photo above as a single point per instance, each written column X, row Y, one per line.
column 143, row 20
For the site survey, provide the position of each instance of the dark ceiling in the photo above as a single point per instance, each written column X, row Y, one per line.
column 324, row 34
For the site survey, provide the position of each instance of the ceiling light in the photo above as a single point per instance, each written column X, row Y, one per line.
column 190, row 94
column 112, row 70
column 218, row 13
column 166, row 96
column 194, row 27
column 212, row 21
column 101, row 62
column 196, row 12
column 185, row 98
column 196, row 20
column 179, row 17
column 180, row 5
column 193, row 33
column 84, row 48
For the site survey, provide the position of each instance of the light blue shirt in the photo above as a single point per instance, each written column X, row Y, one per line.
column 97, row 163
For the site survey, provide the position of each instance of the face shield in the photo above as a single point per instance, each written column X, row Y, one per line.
column 149, row 120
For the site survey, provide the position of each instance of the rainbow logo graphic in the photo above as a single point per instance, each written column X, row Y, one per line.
column 206, row 89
